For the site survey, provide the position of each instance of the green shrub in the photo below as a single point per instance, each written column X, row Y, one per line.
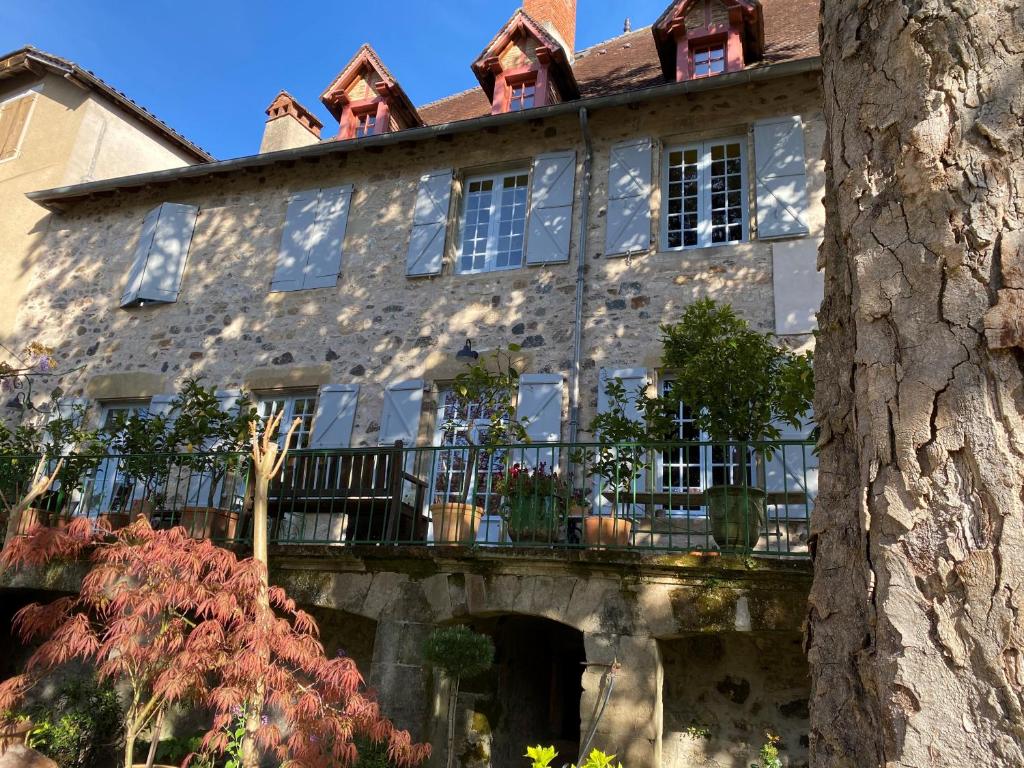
column 541, row 757
column 459, row 651
column 81, row 727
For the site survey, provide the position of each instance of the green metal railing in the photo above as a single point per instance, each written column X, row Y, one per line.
column 675, row 496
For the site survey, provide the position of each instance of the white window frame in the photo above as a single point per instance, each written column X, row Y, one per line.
column 493, row 225
column 289, row 400
column 704, row 192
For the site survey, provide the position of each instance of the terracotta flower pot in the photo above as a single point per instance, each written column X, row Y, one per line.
column 599, row 531
column 455, row 522
column 209, row 522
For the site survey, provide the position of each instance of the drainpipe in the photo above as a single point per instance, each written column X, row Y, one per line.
column 581, row 259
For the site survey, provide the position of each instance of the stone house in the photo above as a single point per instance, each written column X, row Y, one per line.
column 570, row 204
column 61, row 124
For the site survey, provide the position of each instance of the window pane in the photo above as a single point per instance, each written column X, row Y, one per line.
column 725, row 208
column 682, row 198
column 512, row 228
column 475, row 226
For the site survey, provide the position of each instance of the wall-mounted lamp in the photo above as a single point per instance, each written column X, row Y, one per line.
column 467, row 354
column 19, row 402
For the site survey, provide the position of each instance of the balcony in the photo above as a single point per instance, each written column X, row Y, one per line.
column 675, row 497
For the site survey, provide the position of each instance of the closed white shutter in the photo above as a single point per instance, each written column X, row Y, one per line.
column 429, row 224
column 539, row 409
column 628, row 224
column 160, row 405
column 299, row 222
column 793, row 469
column 335, row 416
column 554, row 180
column 400, row 419
column 781, row 177
column 160, row 256
column 323, row 263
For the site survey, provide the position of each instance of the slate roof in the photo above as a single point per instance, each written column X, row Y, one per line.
column 630, row 61
column 25, row 58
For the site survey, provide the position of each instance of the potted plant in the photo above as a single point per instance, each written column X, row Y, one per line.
column 739, row 386
column 533, row 502
column 457, row 652
column 140, row 441
column 622, row 458
column 210, row 444
column 486, row 389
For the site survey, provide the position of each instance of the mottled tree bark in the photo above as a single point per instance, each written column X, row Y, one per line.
column 914, row 630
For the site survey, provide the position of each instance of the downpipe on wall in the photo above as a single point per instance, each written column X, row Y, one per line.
column 581, row 265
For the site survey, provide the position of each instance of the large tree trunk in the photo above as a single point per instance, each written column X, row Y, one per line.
column 915, row 634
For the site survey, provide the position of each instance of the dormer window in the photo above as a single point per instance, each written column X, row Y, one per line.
column 704, row 38
column 522, row 95
column 525, row 66
column 709, row 60
column 366, row 100
column 366, row 125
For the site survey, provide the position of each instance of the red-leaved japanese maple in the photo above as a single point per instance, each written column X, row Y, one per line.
column 182, row 621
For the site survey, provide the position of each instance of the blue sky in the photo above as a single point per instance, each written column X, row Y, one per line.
column 210, row 68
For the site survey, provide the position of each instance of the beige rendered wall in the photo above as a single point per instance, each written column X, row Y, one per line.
column 71, row 136
column 378, row 326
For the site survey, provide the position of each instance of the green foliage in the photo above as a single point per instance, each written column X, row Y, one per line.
column 623, row 456
column 769, row 755
column 736, row 381
column 77, row 729
column 69, row 435
column 142, row 440
column 488, row 386
column 541, row 757
column 458, row 651
column 372, row 754
column 20, row 449
column 173, row 751
column 235, row 732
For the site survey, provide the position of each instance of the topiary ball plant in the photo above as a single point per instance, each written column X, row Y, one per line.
column 458, row 651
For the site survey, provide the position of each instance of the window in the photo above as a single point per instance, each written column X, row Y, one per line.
column 299, row 405
column 113, row 490
column 522, row 96
column 709, row 60
column 493, row 223
column 367, row 125
column 705, row 195
column 13, row 120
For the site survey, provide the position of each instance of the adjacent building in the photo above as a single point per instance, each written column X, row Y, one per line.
column 569, row 204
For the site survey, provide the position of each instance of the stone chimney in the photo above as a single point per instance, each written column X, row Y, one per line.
column 289, row 125
column 558, row 17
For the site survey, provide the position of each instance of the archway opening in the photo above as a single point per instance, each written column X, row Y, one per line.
column 532, row 695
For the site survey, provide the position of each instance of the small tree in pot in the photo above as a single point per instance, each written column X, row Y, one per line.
column 740, row 387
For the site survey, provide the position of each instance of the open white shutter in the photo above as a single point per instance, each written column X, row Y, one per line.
column 539, row 409
column 299, row 223
column 400, row 419
column 429, row 224
column 335, row 416
column 161, row 254
column 554, row 179
column 628, row 221
column 781, row 177
column 323, row 262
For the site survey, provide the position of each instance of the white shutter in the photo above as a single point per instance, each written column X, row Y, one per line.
column 161, row 254
column 628, row 221
column 429, row 224
column 539, row 409
column 793, row 469
column 160, row 405
column 781, row 177
column 299, row 223
column 335, row 416
column 228, row 399
column 323, row 262
column 554, row 180
column 400, row 419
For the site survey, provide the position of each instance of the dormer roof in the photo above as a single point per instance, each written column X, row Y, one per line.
column 673, row 21
column 386, row 85
column 488, row 63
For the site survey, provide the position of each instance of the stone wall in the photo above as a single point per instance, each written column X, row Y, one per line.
column 723, row 692
column 379, row 326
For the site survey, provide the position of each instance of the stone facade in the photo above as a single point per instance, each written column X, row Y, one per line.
column 378, row 325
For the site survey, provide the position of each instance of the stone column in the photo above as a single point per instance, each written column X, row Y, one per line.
column 402, row 682
column 630, row 726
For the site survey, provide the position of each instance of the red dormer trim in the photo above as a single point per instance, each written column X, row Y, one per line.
column 389, row 102
column 741, row 36
column 551, row 68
